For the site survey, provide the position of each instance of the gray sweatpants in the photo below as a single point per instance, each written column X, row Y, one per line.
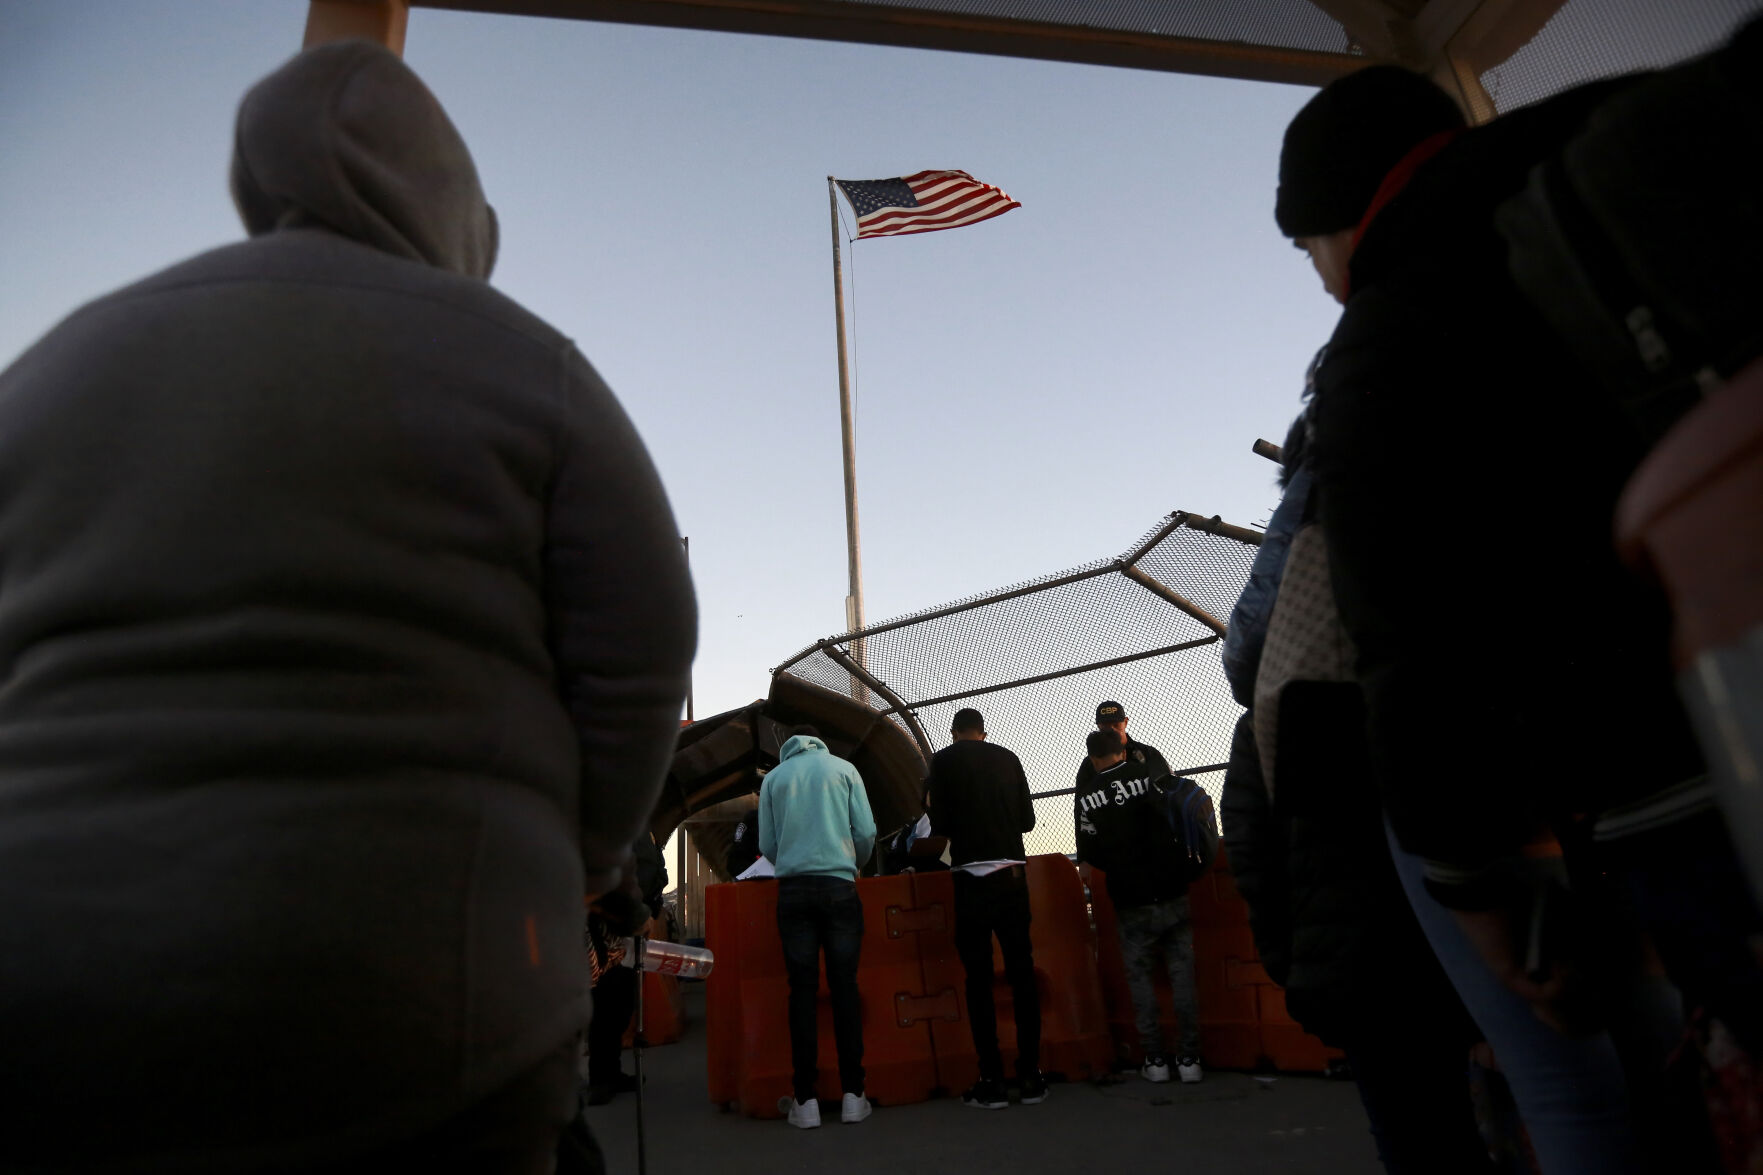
column 1147, row 933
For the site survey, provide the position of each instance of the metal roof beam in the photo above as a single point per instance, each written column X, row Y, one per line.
column 923, row 28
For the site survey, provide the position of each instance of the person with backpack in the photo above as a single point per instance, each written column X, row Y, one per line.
column 1122, row 830
column 1331, row 923
column 1443, row 394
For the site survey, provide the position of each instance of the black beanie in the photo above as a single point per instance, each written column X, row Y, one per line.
column 1347, row 138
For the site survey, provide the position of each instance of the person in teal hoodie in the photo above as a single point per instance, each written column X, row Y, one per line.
column 816, row 828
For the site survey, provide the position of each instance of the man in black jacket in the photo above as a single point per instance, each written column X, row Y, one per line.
column 1121, row 831
column 978, row 798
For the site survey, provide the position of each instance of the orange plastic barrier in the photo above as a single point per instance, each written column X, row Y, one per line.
column 664, row 1020
column 1243, row 1018
column 916, row 1039
column 747, row 1001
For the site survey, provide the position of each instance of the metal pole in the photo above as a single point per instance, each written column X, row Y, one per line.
column 637, row 1048
column 1269, row 450
column 683, row 906
column 854, row 600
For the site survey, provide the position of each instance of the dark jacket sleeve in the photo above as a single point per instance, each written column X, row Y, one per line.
column 1412, row 582
column 1256, row 841
column 622, row 620
column 939, row 823
column 651, row 872
column 1026, row 805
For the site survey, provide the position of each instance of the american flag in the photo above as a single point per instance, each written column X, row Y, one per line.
column 922, row 203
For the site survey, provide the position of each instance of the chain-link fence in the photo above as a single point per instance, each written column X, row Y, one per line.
column 1035, row 658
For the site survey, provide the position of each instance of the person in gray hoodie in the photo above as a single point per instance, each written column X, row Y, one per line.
column 344, row 627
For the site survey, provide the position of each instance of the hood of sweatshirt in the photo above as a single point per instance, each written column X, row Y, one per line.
column 797, row 743
column 346, row 138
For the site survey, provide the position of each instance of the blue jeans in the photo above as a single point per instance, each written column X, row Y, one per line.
column 816, row 913
column 1572, row 1094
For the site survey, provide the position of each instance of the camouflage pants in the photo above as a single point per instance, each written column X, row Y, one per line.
column 1161, row 930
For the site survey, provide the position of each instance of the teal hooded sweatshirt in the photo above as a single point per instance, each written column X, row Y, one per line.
column 814, row 814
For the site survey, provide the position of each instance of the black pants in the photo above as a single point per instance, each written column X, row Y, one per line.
column 615, row 998
column 815, row 914
column 998, row 904
column 1413, row 1078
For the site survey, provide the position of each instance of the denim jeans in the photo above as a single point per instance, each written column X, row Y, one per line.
column 1572, row 1094
column 1152, row 933
column 998, row 904
column 816, row 913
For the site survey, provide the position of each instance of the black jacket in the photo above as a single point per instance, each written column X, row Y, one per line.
column 1466, row 476
column 1255, row 843
column 651, row 873
column 978, row 798
column 1136, row 752
column 1331, row 922
column 1122, row 831
column 343, row 637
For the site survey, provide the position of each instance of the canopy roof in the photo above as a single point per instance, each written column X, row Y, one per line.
column 1307, row 42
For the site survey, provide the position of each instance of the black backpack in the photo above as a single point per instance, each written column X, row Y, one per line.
column 1192, row 822
column 1640, row 242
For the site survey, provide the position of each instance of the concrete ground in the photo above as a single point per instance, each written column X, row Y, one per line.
column 1231, row 1123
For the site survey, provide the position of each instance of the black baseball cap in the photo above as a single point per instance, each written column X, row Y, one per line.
column 1110, row 712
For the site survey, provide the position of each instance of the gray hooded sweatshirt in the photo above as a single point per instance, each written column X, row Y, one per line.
column 344, row 627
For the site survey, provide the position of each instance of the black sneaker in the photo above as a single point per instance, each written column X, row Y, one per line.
column 1034, row 1087
column 986, row 1094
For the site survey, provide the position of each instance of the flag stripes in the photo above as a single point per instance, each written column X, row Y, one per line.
column 922, row 203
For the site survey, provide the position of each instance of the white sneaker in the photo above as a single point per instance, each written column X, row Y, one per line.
column 1189, row 1069
column 855, row 1108
column 1155, row 1070
column 803, row 1115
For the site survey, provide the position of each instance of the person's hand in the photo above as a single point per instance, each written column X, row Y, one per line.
column 1557, row 994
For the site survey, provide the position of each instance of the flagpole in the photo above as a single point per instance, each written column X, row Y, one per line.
column 853, row 601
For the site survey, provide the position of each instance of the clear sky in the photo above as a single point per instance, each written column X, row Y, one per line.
column 1033, row 392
